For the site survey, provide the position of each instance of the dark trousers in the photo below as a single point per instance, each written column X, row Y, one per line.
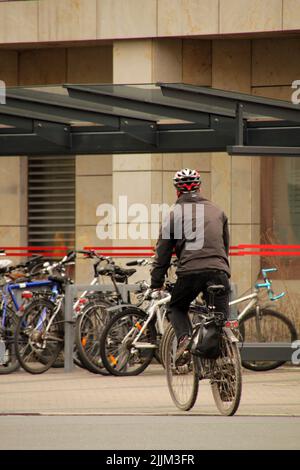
column 187, row 288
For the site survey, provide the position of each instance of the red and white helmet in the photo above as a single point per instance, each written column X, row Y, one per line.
column 187, row 180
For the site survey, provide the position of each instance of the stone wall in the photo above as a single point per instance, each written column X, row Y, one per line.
column 49, row 21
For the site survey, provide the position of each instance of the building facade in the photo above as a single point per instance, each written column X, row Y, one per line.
column 251, row 46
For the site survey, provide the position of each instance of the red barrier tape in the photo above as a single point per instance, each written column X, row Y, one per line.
column 148, row 251
column 264, row 250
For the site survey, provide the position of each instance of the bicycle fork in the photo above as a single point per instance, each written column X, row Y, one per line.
column 142, row 345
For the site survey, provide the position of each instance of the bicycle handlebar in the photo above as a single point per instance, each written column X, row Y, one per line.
column 145, row 262
column 268, row 284
column 92, row 254
column 139, row 262
column 49, row 268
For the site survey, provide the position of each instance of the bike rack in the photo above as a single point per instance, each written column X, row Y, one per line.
column 269, row 351
column 70, row 318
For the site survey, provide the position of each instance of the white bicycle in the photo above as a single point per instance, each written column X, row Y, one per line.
column 132, row 337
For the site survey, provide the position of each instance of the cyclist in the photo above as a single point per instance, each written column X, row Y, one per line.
column 202, row 253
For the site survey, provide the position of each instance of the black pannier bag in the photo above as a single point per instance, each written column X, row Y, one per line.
column 207, row 341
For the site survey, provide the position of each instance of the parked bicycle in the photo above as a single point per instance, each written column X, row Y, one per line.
column 260, row 324
column 131, row 338
column 39, row 334
column 13, row 279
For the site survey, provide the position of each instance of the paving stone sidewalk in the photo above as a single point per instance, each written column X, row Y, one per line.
column 274, row 393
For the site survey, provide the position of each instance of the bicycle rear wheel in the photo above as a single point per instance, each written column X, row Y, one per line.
column 226, row 380
column 89, row 327
column 273, row 326
column 119, row 356
column 60, row 361
column 39, row 338
column 183, row 381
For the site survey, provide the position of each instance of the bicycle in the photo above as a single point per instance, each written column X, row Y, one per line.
column 223, row 371
column 130, row 339
column 11, row 306
column 263, row 324
column 39, row 334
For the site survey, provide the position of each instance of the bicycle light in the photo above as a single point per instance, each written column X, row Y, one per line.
column 232, row 324
column 81, row 304
column 27, row 294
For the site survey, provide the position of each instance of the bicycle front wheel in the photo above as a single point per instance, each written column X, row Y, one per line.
column 119, row 355
column 183, row 380
column 163, row 342
column 39, row 336
column 226, row 381
column 8, row 360
column 268, row 326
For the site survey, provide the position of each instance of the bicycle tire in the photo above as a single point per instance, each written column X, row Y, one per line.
column 30, row 324
column 87, row 337
column 164, row 339
column 261, row 366
column 118, row 357
column 162, row 350
column 227, row 399
column 7, row 336
column 60, row 361
column 187, row 372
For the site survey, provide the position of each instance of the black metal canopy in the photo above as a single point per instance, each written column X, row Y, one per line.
column 101, row 119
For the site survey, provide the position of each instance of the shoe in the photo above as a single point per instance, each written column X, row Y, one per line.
column 183, row 354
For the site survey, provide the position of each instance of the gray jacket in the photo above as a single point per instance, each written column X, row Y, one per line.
column 198, row 246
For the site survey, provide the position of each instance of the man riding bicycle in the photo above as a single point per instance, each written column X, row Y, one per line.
column 197, row 230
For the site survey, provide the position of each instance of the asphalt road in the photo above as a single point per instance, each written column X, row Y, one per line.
column 148, row 432
column 82, row 411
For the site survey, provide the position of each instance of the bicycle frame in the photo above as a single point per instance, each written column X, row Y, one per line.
column 153, row 312
column 253, row 301
column 26, row 285
column 9, row 290
column 54, row 296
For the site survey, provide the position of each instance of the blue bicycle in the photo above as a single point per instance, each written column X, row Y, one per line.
column 10, row 305
column 39, row 334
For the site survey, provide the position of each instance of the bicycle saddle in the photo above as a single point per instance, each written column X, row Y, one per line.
column 126, row 272
column 215, row 289
column 122, row 274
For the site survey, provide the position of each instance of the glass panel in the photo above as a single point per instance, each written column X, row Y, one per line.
column 280, row 213
column 286, row 200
